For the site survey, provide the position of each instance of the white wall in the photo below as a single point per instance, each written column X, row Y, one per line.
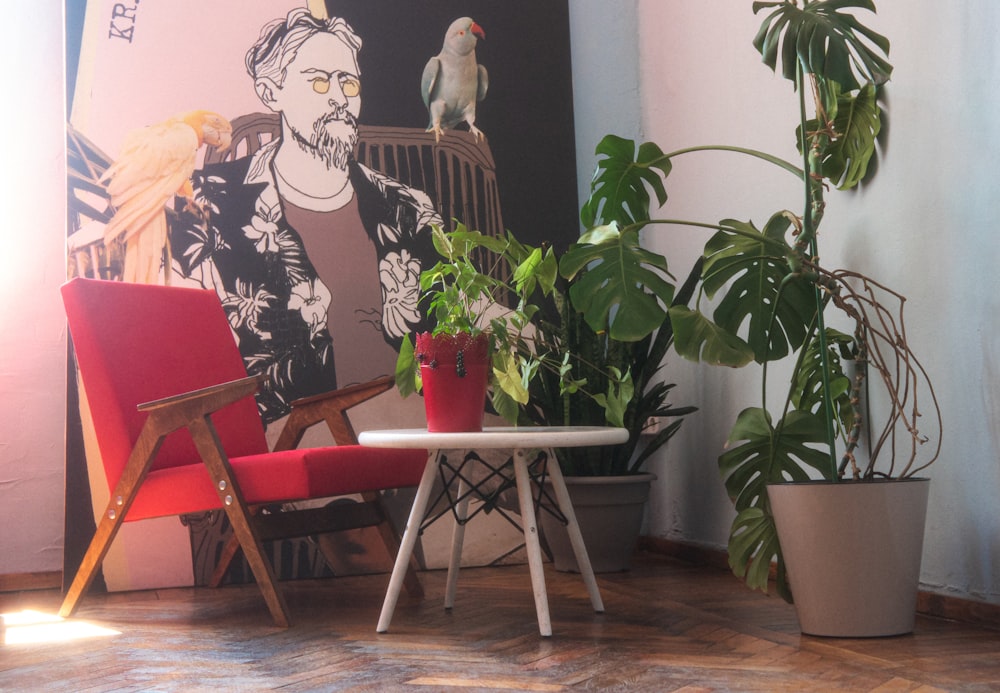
column 926, row 227
column 32, row 330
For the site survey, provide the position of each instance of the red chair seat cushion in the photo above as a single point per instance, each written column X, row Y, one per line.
column 280, row 476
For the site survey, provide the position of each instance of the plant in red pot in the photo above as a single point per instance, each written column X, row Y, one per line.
column 482, row 297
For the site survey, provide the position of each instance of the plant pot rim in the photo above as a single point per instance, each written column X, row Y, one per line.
column 847, row 482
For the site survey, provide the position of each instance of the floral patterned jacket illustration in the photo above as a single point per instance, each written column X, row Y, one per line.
column 274, row 300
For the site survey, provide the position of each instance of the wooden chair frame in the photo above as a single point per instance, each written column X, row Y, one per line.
column 193, row 411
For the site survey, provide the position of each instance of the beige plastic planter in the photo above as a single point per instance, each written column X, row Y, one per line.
column 852, row 550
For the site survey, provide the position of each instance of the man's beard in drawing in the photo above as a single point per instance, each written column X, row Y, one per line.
column 333, row 139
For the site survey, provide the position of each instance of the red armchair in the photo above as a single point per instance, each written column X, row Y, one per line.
column 137, row 346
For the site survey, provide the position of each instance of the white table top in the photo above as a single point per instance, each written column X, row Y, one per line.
column 514, row 437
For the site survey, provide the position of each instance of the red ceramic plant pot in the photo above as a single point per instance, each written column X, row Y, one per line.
column 455, row 371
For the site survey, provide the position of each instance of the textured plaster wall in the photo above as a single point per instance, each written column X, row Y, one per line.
column 926, row 227
column 32, row 331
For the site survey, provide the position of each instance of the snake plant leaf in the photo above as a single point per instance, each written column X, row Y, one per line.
column 826, row 42
column 762, row 295
column 622, row 182
column 769, row 454
column 844, row 160
column 697, row 338
column 621, row 288
column 753, row 544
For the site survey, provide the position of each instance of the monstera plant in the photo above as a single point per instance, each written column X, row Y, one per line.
column 764, row 294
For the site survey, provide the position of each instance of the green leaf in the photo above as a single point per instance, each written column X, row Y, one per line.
column 407, row 374
column 619, row 394
column 824, row 41
column 697, row 338
column 605, row 233
column 622, row 182
column 766, row 454
column 807, row 390
column 619, row 286
column 508, row 376
column 762, row 296
column 769, row 454
column 505, row 405
column 844, row 160
column 753, row 545
column 536, row 269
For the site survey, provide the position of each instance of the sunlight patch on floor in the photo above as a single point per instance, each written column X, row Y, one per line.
column 31, row 626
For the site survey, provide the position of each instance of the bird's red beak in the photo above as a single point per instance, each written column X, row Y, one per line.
column 478, row 31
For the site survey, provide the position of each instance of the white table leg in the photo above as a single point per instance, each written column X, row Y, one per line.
column 575, row 537
column 531, row 544
column 457, row 539
column 410, row 535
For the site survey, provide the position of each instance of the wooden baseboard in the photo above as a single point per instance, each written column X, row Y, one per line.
column 24, row 582
column 928, row 603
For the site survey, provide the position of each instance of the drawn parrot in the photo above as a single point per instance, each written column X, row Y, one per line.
column 453, row 82
column 156, row 164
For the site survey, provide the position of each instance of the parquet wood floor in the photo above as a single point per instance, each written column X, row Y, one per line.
column 668, row 626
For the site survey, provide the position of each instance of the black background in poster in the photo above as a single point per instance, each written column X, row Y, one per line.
column 527, row 115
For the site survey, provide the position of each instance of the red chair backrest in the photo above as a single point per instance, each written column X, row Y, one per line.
column 137, row 342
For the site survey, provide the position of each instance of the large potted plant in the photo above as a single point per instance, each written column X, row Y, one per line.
column 609, row 486
column 771, row 300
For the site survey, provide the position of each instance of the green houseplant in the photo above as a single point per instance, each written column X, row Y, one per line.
column 772, row 298
column 494, row 287
column 609, row 486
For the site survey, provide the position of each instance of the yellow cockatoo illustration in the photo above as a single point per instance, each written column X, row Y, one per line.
column 155, row 164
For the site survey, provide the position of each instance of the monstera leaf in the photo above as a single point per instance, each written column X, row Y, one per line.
column 621, row 184
column 766, row 454
column 761, row 295
column 824, row 41
column 753, row 546
column 619, row 286
column 697, row 338
column 856, row 124
column 807, row 391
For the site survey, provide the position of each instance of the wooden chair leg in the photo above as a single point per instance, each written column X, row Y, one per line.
column 229, row 552
column 206, row 439
column 136, row 469
column 96, row 552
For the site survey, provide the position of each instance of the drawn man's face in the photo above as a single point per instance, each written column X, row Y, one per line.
column 321, row 98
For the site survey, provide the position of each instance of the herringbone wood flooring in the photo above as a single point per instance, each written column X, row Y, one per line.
column 668, row 626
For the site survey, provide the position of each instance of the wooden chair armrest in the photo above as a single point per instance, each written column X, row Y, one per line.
column 176, row 411
column 351, row 395
column 331, row 407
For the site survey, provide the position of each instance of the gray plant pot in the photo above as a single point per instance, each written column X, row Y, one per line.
column 609, row 510
column 852, row 550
